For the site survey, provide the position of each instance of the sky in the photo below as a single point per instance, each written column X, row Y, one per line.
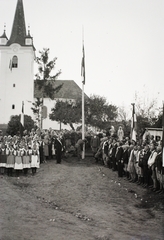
column 123, row 41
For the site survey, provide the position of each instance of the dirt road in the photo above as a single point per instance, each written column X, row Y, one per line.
column 78, row 200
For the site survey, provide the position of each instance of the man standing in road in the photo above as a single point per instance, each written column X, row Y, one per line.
column 58, row 145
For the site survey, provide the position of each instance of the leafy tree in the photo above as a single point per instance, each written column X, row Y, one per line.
column 36, row 109
column 13, row 127
column 146, row 110
column 158, row 123
column 45, row 66
column 43, row 80
column 67, row 112
column 123, row 120
column 123, row 114
column 99, row 112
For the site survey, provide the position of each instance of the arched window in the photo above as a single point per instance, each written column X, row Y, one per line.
column 15, row 62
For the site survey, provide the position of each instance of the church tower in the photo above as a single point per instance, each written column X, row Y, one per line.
column 17, row 56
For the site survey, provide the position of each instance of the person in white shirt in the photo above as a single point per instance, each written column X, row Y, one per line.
column 151, row 165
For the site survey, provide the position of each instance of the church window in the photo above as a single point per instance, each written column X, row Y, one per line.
column 13, row 106
column 15, row 62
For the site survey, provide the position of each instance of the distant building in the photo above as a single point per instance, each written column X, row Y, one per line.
column 69, row 91
column 17, row 56
column 156, row 132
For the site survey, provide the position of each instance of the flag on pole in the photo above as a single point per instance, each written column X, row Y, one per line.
column 133, row 124
column 22, row 115
column 83, row 66
column 83, row 83
column 22, row 120
column 163, row 137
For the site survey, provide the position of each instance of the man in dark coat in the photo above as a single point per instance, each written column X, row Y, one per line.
column 158, row 167
column 119, row 161
column 125, row 158
column 113, row 155
column 58, row 147
column 41, row 150
column 146, row 172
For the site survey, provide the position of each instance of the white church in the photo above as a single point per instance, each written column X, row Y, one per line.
column 17, row 57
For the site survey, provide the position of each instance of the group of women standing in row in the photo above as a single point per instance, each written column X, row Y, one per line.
column 22, row 154
column 18, row 157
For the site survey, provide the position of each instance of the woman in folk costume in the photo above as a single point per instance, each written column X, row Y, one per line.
column 3, row 158
column 35, row 160
column 10, row 160
column 18, row 159
column 26, row 159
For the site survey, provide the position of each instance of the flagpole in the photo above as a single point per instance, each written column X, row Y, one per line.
column 132, row 121
column 22, row 120
column 83, row 83
column 83, row 122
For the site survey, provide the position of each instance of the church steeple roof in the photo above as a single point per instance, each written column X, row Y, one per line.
column 18, row 33
column 4, row 33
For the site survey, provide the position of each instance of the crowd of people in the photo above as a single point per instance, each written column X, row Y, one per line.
column 23, row 154
column 139, row 161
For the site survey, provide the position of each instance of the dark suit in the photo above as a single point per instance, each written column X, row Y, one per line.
column 113, row 157
column 146, row 171
column 58, row 146
column 41, row 151
column 119, row 161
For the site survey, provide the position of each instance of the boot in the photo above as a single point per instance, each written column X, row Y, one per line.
column 139, row 181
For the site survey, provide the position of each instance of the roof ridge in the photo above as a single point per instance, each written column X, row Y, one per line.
column 69, row 90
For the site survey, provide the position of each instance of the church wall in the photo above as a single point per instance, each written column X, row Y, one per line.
column 16, row 83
